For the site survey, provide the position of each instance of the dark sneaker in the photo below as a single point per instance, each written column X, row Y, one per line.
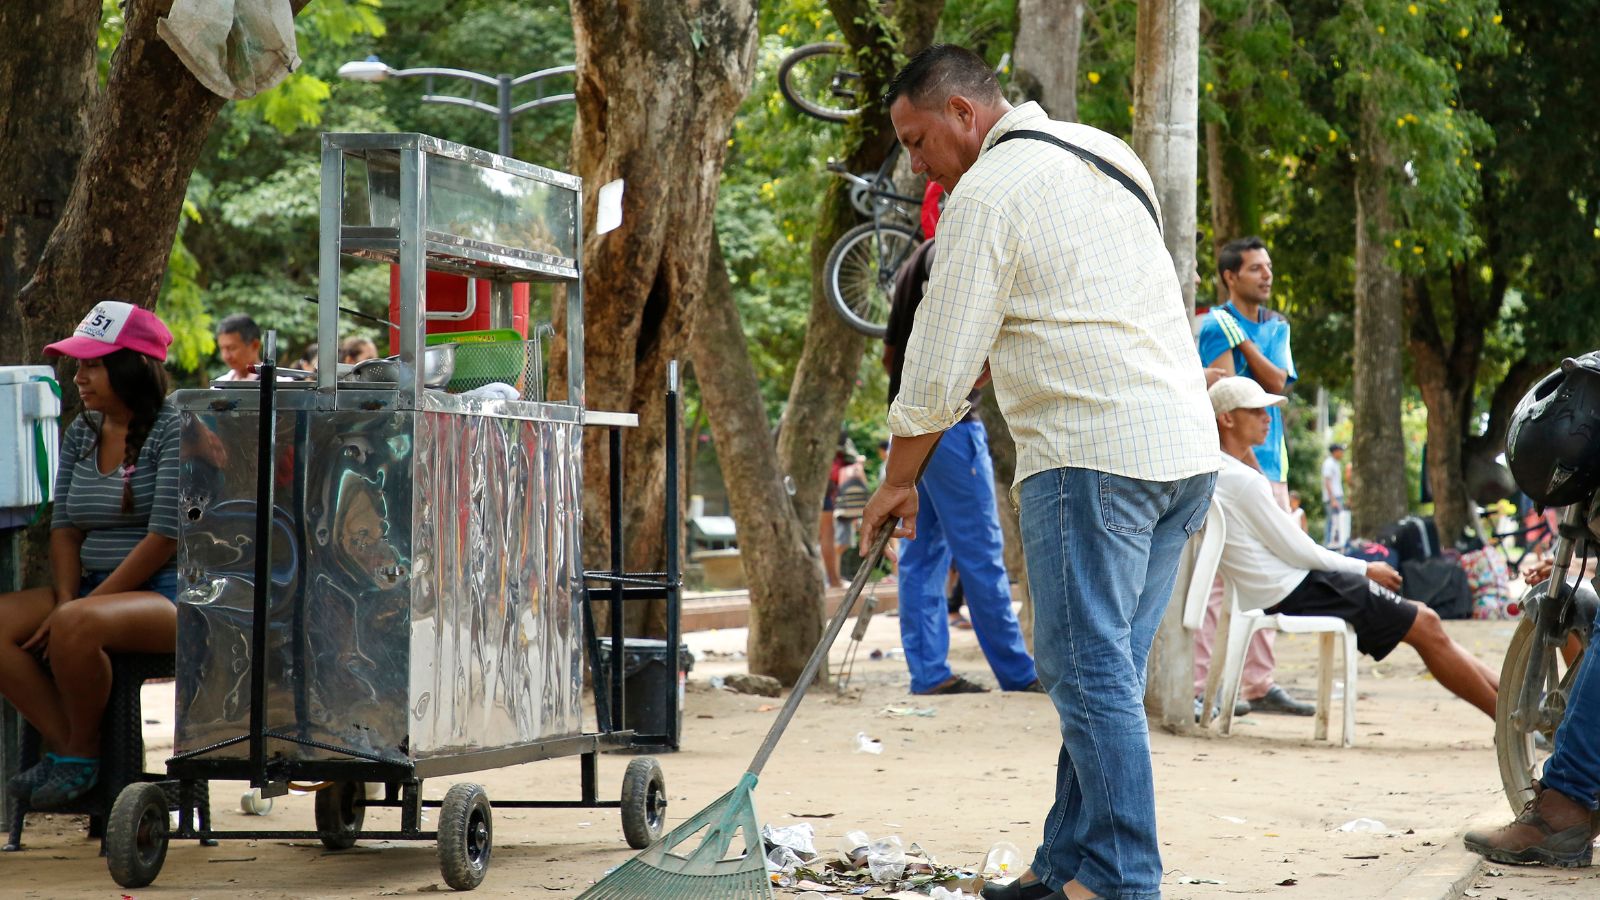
column 1552, row 830
column 1035, row 687
column 69, row 779
column 22, row 785
column 960, row 684
column 1277, row 700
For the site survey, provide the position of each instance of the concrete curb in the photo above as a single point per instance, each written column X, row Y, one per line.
column 1442, row 876
column 1451, row 868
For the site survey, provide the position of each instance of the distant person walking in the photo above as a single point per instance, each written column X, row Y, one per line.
column 1337, row 532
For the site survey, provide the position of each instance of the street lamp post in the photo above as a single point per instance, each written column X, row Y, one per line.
column 373, row 69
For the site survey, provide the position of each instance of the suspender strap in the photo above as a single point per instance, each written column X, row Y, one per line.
column 1094, row 160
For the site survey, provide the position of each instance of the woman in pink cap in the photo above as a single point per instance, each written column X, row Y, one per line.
column 112, row 543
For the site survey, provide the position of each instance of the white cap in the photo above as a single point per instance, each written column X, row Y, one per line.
column 1236, row 392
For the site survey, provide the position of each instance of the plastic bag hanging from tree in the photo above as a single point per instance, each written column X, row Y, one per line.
column 236, row 48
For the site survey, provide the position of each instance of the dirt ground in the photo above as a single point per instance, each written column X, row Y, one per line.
column 1255, row 813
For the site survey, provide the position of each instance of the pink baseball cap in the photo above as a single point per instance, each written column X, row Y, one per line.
column 114, row 325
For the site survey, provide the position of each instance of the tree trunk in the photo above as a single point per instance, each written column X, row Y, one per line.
column 831, row 357
column 1377, row 447
column 1446, row 371
column 1231, row 188
column 116, row 233
column 1166, row 92
column 1045, row 61
column 776, row 545
column 657, row 89
column 1166, row 104
column 47, row 84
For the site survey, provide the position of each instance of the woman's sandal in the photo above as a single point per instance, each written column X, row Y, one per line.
column 70, row 778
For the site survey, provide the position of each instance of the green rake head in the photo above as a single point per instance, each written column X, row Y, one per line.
column 706, row 872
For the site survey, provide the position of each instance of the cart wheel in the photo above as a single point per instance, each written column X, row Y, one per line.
column 340, row 810
column 136, row 834
column 644, row 802
column 466, row 836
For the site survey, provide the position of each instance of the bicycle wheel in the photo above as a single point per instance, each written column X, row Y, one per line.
column 859, row 273
column 817, row 80
column 1521, row 760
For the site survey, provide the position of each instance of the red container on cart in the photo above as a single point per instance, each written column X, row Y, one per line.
column 447, row 293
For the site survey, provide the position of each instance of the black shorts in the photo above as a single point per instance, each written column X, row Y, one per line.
column 1380, row 617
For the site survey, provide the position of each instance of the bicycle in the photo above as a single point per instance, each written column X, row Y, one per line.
column 1543, row 658
column 860, row 270
column 817, row 80
column 1515, row 545
column 859, row 273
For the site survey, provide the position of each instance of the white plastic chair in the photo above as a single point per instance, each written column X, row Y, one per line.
column 1237, row 626
column 1198, row 567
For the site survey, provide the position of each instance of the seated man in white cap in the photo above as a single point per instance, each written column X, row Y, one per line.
column 1273, row 565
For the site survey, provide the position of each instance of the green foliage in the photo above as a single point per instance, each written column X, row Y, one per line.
column 182, row 303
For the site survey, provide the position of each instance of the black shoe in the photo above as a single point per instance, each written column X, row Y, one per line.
column 1277, row 700
column 960, row 684
column 1016, row 890
column 1034, row 687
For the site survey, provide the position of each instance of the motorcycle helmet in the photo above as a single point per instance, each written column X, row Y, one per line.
column 1553, row 445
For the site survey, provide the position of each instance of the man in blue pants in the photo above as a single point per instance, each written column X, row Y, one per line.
column 956, row 519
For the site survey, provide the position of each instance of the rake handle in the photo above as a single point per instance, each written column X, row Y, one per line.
column 851, row 595
column 820, row 655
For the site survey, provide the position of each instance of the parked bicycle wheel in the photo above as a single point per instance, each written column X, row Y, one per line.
column 1521, row 758
column 859, row 273
column 817, row 79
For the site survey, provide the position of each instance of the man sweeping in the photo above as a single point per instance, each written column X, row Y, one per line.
column 1052, row 267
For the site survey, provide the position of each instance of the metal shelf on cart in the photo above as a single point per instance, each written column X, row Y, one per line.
column 281, row 769
column 463, row 256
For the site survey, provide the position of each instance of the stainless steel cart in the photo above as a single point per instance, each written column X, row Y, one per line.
column 414, row 606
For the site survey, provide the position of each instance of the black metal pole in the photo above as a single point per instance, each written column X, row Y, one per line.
column 618, row 712
column 265, row 459
column 674, row 582
column 503, row 95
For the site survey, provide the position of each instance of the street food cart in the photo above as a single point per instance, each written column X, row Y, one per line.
column 415, row 604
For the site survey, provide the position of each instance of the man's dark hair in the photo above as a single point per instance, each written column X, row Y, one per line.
column 242, row 325
column 940, row 71
column 1232, row 255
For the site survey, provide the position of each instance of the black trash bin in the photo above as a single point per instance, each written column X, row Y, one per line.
column 652, row 704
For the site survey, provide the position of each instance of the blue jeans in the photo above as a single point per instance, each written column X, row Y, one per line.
column 1102, row 560
column 956, row 518
column 1574, row 767
column 163, row 582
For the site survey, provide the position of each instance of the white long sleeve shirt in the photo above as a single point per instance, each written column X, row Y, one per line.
column 1266, row 555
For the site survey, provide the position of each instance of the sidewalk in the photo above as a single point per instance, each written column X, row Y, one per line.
column 1256, row 813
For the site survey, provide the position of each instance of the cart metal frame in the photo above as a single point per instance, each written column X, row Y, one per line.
column 413, row 248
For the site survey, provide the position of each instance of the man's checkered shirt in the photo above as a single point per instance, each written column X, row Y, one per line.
column 1057, row 275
